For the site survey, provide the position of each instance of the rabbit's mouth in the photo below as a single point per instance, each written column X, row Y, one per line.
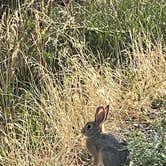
column 83, row 131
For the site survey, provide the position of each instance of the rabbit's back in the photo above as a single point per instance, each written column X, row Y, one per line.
column 109, row 140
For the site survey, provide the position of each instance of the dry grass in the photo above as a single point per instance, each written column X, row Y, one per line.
column 42, row 109
column 45, row 126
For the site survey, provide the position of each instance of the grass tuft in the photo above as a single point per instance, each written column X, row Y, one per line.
column 57, row 64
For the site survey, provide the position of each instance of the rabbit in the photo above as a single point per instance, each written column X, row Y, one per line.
column 105, row 149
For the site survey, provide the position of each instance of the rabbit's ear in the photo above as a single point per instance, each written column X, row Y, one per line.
column 100, row 115
column 106, row 111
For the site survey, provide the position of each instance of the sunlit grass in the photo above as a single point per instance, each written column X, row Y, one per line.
column 58, row 64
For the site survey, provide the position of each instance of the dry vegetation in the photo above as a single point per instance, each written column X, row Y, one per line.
column 57, row 64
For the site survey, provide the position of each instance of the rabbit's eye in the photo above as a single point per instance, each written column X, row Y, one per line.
column 89, row 126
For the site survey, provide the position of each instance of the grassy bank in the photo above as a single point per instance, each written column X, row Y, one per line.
column 58, row 63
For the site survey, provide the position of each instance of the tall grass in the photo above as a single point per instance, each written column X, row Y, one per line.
column 57, row 64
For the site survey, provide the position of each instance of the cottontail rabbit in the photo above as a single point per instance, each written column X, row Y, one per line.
column 105, row 149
